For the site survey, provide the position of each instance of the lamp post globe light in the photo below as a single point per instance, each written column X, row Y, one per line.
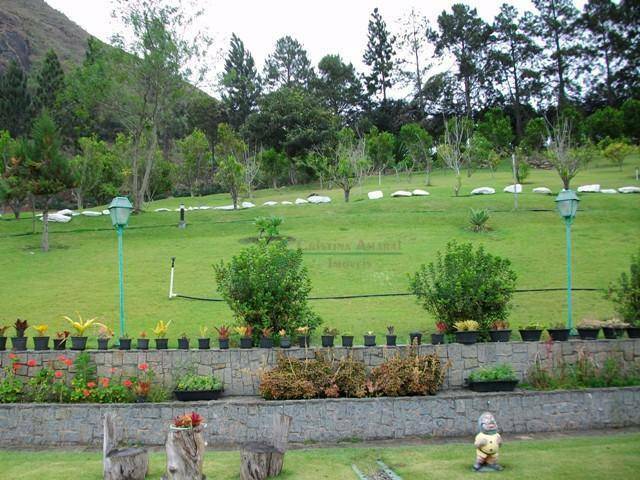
column 567, row 204
column 120, row 209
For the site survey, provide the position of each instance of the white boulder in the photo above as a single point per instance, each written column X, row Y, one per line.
column 608, row 190
column 319, row 199
column 301, row 201
column 224, row 207
column 375, row 195
column 91, row 213
column 286, row 202
column 542, row 190
column 270, row 203
column 57, row 218
column 629, row 189
column 483, row 191
column 106, row 212
column 517, row 188
column 66, row 212
column 595, row 188
column 401, row 193
column 247, row 205
column 420, row 193
column 205, row 208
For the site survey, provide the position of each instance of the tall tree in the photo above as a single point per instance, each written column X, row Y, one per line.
column 378, row 56
column 95, row 171
column 240, row 81
column 556, row 26
column 288, row 65
column 16, row 107
column 196, row 161
column 50, row 79
column 339, row 87
column 518, row 57
column 496, row 128
column 230, row 150
column 412, row 44
column 14, row 177
column 463, row 34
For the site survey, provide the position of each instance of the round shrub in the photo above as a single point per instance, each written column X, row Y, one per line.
column 625, row 293
column 465, row 284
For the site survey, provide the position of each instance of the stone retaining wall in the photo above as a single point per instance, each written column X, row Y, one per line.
column 234, row 420
column 240, row 369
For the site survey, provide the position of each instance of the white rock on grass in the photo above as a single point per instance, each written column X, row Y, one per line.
column 66, row 212
column 91, row 213
column 483, row 191
column 247, row 205
column 319, row 199
column 542, row 190
column 286, row 202
column 106, row 212
column 224, row 207
column 401, row 193
column 608, row 190
column 301, row 201
column 595, row 188
column 270, row 203
column 58, row 218
column 629, row 189
column 420, row 193
column 375, row 195
column 205, row 208
column 517, row 188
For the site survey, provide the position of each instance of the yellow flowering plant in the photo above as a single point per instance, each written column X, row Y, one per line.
column 80, row 325
column 161, row 329
column 41, row 329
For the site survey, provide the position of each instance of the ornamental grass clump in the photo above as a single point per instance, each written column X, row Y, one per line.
column 406, row 376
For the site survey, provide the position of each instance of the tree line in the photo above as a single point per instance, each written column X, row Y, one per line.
column 129, row 120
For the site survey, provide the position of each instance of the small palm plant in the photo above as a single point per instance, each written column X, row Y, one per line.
column 478, row 219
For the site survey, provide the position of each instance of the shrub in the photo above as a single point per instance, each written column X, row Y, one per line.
column 268, row 227
column 478, row 219
column 465, row 284
column 625, row 293
column 266, row 286
column 411, row 375
column 500, row 371
column 197, row 383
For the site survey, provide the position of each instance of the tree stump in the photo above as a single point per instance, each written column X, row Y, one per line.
column 260, row 460
column 185, row 454
column 121, row 464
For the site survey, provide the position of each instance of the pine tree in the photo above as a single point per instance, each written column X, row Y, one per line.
column 339, row 87
column 288, row 65
column 15, row 102
column 379, row 56
column 50, row 80
column 240, row 81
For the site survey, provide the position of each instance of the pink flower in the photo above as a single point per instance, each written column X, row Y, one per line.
column 127, row 383
column 143, row 367
column 105, row 382
column 91, row 384
column 13, row 356
column 31, row 363
column 86, row 392
column 58, row 374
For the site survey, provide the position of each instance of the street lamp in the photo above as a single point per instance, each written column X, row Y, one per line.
column 567, row 204
column 120, row 209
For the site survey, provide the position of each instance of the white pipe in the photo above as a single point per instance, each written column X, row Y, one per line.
column 173, row 264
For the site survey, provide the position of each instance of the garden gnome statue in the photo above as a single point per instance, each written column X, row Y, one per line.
column 487, row 443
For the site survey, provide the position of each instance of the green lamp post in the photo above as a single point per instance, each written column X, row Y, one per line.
column 120, row 209
column 567, row 204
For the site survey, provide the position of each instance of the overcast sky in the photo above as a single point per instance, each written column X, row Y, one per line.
column 324, row 26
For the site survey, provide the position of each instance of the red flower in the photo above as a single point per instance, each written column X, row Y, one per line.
column 31, row 363
column 13, row 356
column 127, row 383
column 86, row 392
column 15, row 366
column 58, row 374
column 105, row 382
column 91, row 384
column 68, row 362
column 143, row 366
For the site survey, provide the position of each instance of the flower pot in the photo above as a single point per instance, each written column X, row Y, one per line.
column 197, row 395
column 612, row 333
column 467, row 338
column 246, row 342
column 415, row 338
column 142, row 344
column 124, row 344
column 19, row 343
column 183, row 343
column 285, row 342
column 530, row 335
column 492, row 385
column 327, row 341
column 633, row 332
column 559, row 334
column 369, row 340
column 500, row 335
column 78, row 343
column 588, row 333
column 59, row 343
column 266, row 342
column 437, row 338
column 304, row 341
column 3, row 343
column 162, row 343
column 347, row 340
column 103, row 344
column 391, row 340
column 40, row 343
column 204, row 343
column 223, row 343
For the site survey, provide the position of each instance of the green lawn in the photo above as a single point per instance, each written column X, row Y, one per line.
column 356, row 248
column 613, row 456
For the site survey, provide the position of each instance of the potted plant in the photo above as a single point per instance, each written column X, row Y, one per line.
column 161, row 329
column 60, row 342
column 370, row 339
column 415, row 338
column 438, row 338
column 614, row 328
column 142, row 341
column 391, row 336
column 41, row 342
column 183, row 342
column 304, row 339
column 266, row 339
column 3, row 338
column 124, row 342
column 79, row 341
column 347, row 339
column 285, row 340
column 204, row 342
column 500, row 331
column 223, row 337
column 589, row 329
column 104, row 335
column 559, row 332
column 497, row 378
column 191, row 388
column 328, row 337
column 19, row 342
column 246, row 336
column 467, row 331
column 634, row 330
column 531, row 332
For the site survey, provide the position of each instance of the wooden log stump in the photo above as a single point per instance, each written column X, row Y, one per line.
column 260, row 460
column 118, row 463
column 185, row 454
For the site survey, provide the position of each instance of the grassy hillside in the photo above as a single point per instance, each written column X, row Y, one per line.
column 361, row 247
